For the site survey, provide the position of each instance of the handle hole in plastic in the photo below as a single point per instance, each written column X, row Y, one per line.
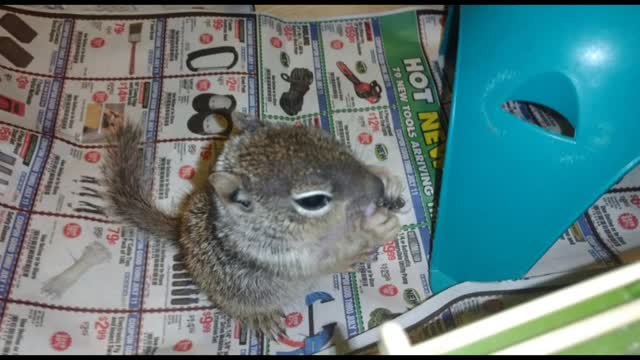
column 540, row 115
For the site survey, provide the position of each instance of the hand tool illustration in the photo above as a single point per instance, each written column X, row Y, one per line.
column 211, row 56
column 369, row 91
column 21, row 31
column 15, row 53
column 291, row 101
column 10, row 161
column 213, row 114
column 93, row 255
column 135, row 35
column 18, row 28
column 12, row 106
column 315, row 341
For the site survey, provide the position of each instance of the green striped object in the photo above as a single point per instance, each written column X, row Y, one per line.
column 596, row 316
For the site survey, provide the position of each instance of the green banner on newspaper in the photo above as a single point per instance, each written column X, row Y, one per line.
column 417, row 99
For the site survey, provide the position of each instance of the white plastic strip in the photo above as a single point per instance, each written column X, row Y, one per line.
column 394, row 340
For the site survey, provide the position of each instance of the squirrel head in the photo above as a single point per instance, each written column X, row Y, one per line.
column 293, row 184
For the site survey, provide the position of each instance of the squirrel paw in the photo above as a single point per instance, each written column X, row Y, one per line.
column 366, row 256
column 270, row 325
column 381, row 227
column 393, row 188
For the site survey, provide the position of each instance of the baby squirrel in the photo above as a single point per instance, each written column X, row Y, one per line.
column 284, row 206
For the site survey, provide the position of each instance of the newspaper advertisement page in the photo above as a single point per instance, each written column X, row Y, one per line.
column 74, row 280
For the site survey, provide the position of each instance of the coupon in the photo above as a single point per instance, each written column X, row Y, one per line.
column 34, row 44
column 181, row 167
column 169, row 284
column 75, row 262
column 31, row 330
column 199, row 107
column 615, row 216
column 99, row 46
column 395, row 282
column 72, row 182
column 577, row 249
column 89, row 110
column 13, row 225
column 194, row 332
column 431, row 27
column 23, row 99
column 288, row 77
column 356, row 83
column 208, row 44
column 313, row 321
column 22, row 156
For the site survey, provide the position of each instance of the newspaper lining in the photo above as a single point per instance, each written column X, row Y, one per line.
column 74, row 281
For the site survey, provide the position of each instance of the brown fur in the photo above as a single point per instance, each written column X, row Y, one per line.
column 131, row 202
column 253, row 261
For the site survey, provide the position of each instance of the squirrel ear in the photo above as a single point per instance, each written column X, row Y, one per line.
column 225, row 183
column 230, row 189
column 245, row 122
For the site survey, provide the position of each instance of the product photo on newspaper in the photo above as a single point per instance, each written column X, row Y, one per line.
column 75, row 279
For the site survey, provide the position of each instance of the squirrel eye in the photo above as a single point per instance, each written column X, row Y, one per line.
column 314, row 203
column 241, row 198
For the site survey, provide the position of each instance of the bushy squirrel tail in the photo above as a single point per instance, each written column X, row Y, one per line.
column 123, row 177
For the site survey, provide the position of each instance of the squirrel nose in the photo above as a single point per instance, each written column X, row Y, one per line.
column 368, row 196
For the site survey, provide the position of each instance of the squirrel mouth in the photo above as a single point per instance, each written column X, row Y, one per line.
column 391, row 204
column 384, row 202
column 369, row 210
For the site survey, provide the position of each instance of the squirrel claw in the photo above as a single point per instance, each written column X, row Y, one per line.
column 269, row 325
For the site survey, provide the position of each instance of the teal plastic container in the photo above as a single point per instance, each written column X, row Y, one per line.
column 511, row 188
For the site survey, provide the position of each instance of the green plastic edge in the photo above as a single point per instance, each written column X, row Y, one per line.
column 552, row 321
column 622, row 341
